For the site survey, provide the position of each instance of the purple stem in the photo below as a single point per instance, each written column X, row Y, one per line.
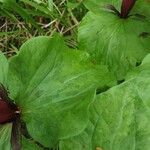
column 126, row 7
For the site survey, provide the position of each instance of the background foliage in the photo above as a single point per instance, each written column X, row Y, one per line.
column 23, row 19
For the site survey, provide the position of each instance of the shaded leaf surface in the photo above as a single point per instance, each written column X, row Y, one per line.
column 119, row 119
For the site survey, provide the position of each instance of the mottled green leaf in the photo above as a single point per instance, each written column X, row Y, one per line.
column 108, row 120
column 54, row 87
column 118, row 43
column 119, row 119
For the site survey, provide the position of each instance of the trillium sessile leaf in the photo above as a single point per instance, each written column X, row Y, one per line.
column 5, row 136
column 141, row 7
column 54, row 87
column 119, row 119
column 3, row 69
column 118, row 43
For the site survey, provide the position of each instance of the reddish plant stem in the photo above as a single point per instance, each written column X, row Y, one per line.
column 126, row 7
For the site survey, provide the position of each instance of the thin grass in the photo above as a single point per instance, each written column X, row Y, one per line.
column 16, row 28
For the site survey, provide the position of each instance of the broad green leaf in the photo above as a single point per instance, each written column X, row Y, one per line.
column 3, row 69
column 118, row 43
column 142, row 7
column 119, row 119
column 5, row 136
column 54, row 87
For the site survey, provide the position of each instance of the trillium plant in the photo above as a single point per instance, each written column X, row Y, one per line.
column 45, row 94
column 95, row 97
column 126, row 7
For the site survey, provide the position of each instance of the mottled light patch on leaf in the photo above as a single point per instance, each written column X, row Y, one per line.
column 98, row 148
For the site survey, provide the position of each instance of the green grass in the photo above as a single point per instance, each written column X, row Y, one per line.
column 22, row 20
